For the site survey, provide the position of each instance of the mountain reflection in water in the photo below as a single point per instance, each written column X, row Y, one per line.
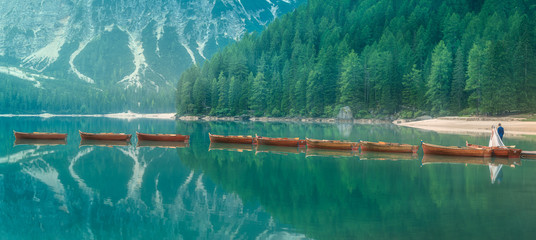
column 212, row 191
column 120, row 192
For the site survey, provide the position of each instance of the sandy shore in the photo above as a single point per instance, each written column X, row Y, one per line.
column 129, row 115
column 512, row 126
column 126, row 115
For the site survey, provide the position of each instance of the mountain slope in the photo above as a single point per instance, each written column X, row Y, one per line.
column 136, row 44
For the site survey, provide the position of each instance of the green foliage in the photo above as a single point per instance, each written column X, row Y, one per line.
column 380, row 58
column 439, row 79
column 258, row 95
column 414, row 88
column 458, row 83
column 475, row 71
column 21, row 97
column 104, row 59
column 350, row 84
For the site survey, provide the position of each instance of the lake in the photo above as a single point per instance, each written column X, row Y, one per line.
column 203, row 191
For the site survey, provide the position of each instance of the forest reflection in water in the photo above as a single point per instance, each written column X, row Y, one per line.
column 203, row 190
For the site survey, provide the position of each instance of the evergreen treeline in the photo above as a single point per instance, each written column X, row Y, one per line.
column 21, row 97
column 403, row 57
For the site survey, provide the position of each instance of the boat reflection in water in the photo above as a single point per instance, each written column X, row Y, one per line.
column 234, row 147
column 317, row 152
column 367, row 155
column 40, row 142
column 279, row 149
column 438, row 159
column 495, row 165
column 103, row 143
column 162, row 144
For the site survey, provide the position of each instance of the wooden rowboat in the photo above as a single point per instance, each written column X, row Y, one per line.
column 231, row 139
column 388, row 147
column 105, row 136
column 499, row 151
column 332, row 144
column 163, row 137
column 528, row 154
column 284, row 142
column 455, row 151
column 40, row 135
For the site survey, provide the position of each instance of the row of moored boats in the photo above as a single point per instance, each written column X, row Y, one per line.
column 470, row 150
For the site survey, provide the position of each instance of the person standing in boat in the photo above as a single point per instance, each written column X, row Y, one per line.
column 500, row 131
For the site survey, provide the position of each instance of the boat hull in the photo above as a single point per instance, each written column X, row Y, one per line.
column 499, row 151
column 230, row 139
column 105, row 136
column 388, row 147
column 38, row 135
column 332, row 144
column 163, row 137
column 283, row 142
column 455, row 151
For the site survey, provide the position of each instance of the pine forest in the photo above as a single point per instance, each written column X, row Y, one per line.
column 403, row 58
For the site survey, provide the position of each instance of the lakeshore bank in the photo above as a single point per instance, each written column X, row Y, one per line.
column 514, row 126
column 124, row 115
column 282, row 119
column 473, row 125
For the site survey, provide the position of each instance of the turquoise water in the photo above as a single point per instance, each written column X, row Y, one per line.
column 204, row 191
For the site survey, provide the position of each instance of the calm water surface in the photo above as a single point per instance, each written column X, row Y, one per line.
column 204, row 191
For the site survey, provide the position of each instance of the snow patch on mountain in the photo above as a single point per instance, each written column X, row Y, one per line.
column 41, row 59
column 159, row 32
column 109, row 28
column 32, row 77
column 136, row 47
column 73, row 56
column 190, row 52
column 273, row 10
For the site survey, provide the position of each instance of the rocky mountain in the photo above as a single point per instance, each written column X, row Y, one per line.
column 129, row 44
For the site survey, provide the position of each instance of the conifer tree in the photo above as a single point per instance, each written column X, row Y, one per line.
column 475, row 73
column 257, row 101
column 457, row 96
column 439, row 80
